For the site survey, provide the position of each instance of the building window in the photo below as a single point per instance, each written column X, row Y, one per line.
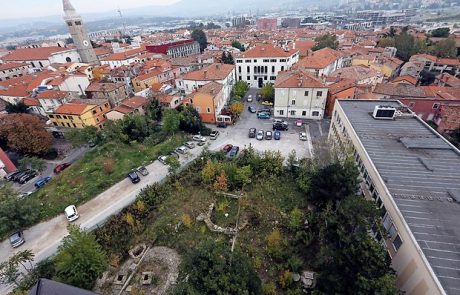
column 436, row 106
column 282, row 60
column 273, row 78
column 306, row 93
column 266, row 60
column 273, row 69
column 281, row 112
column 69, row 24
column 78, row 23
column 397, row 243
column 392, row 231
column 282, row 68
column 272, row 60
column 239, row 69
column 40, row 63
column 249, row 69
column 239, row 61
column 265, row 78
column 304, row 113
column 247, row 61
column 255, row 60
column 292, row 113
column 293, row 102
column 248, row 78
column 315, row 114
column 319, row 93
column 209, row 110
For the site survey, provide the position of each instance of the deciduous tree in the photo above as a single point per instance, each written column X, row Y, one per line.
column 237, row 108
column 171, row 121
column 25, row 133
column 268, row 92
column 326, row 40
column 200, row 36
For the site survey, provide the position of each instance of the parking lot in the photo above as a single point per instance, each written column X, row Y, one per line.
column 238, row 134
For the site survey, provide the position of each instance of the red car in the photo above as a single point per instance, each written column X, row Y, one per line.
column 61, row 167
column 227, row 148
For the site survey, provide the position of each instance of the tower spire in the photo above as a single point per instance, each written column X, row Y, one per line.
column 67, row 6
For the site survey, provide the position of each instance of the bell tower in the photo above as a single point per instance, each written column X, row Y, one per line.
column 78, row 33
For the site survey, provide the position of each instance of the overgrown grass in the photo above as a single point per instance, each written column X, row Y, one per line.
column 98, row 170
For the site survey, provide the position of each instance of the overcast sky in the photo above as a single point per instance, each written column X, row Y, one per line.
column 31, row 8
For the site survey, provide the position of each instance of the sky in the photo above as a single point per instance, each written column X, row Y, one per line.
column 32, row 8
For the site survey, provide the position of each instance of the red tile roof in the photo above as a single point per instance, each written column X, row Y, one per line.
column 320, row 59
column 72, row 108
column 26, row 54
column 15, row 91
column 135, row 102
column 266, row 50
column 12, row 65
column 212, row 88
column 211, row 73
column 31, row 102
column 52, row 94
column 297, row 79
column 407, row 78
column 9, row 166
column 103, row 87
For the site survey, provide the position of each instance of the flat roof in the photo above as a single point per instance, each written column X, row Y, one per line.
column 422, row 173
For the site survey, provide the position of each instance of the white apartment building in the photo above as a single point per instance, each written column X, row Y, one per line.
column 220, row 73
column 13, row 70
column 299, row 95
column 411, row 173
column 261, row 64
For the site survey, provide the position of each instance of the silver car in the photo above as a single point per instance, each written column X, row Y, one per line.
column 260, row 135
column 181, row 150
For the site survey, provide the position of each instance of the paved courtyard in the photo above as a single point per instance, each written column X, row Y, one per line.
column 238, row 134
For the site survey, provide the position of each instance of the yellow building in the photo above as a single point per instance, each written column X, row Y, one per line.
column 145, row 81
column 363, row 60
column 79, row 114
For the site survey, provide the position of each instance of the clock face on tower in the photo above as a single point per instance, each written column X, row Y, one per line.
column 85, row 42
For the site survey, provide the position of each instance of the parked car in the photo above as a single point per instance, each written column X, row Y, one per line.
column 28, row 176
column 71, row 213
column 18, row 176
column 252, row 132
column 190, row 145
column 227, row 148
column 214, row 134
column 268, row 135
column 265, row 110
column 11, row 175
column 252, row 109
column 25, row 194
column 277, row 135
column 267, row 103
column 221, row 125
column 41, row 182
column 199, row 138
column 233, row 152
column 263, row 116
column 134, row 177
column 303, row 136
column 249, row 98
column 181, row 150
column 17, row 239
column 162, row 159
column 299, row 123
column 61, row 167
column 280, row 125
column 260, row 135
column 143, row 171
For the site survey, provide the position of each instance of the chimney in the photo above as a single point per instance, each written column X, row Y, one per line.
column 205, row 74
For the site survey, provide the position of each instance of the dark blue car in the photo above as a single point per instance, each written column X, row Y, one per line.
column 263, row 116
column 277, row 135
column 41, row 182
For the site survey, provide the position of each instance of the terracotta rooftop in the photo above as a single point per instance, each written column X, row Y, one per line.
column 211, row 73
column 72, row 108
column 267, row 50
column 9, row 166
column 356, row 73
column 52, row 94
column 320, row 59
column 125, row 55
column 412, row 80
column 399, row 90
column 31, row 102
column 212, row 88
column 123, row 109
column 135, row 102
column 26, row 54
column 342, row 85
column 103, row 87
column 297, row 79
column 12, row 65
column 15, row 91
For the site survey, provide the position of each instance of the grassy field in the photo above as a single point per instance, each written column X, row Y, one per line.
column 98, row 170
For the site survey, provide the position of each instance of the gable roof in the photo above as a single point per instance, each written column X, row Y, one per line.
column 135, row 102
column 212, row 88
column 267, row 50
column 211, row 73
column 12, row 65
column 405, row 78
column 320, row 59
column 72, row 108
column 26, row 54
column 48, row 287
column 297, row 79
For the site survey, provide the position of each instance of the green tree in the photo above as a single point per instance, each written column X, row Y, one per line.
column 227, row 58
column 295, row 219
column 420, row 46
column 80, row 259
column 209, row 171
column 154, row 109
column 213, row 269
column 136, row 127
column 238, row 45
column 243, row 175
column 171, row 121
column 444, row 48
column 440, row 32
column 327, row 40
column 268, row 92
column 173, row 164
column 199, row 36
column 9, row 272
column 240, row 89
column 16, row 213
column 387, row 42
column 190, row 120
column 79, row 137
column 237, row 108
column 404, row 43
column 20, row 107
column 33, row 163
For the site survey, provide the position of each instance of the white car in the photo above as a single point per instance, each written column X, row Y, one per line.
column 190, row 145
column 199, row 138
column 25, row 194
column 214, row 135
column 162, row 159
column 249, row 98
column 181, row 150
column 303, row 136
column 71, row 213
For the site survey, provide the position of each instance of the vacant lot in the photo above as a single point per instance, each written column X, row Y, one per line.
column 98, row 170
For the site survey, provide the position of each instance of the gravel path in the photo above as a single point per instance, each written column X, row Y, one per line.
column 171, row 259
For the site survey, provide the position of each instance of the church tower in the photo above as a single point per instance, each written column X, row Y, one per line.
column 78, row 33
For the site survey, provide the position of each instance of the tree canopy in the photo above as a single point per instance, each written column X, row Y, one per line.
column 200, row 36
column 440, row 32
column 268, row 92
column 25, row 133
column 80, row 259
column 18, row 108
column 171, row 121
column 227, row 58
column 326, row 40
column 212, row 269
column 238, row 45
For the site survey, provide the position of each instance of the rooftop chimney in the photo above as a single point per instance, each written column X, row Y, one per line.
column 205, row 73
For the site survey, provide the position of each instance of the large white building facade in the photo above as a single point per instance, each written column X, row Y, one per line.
column 261, row 64
column 411, row 173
